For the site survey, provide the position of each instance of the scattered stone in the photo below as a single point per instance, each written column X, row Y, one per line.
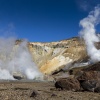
column 53, row 95
column 18, row 77
column 34, row 94
column 68, row 84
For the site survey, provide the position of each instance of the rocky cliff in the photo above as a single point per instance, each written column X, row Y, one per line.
column 53, row 56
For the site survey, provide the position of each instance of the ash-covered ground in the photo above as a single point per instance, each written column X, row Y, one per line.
column 21, row 90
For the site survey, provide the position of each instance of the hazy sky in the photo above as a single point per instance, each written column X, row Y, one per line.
column 43, row 20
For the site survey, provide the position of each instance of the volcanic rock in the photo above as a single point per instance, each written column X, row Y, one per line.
column 34, row 94
column 18, row 76
column 88, row 75
column 97, row 89
column 93, row 67
column 50, row 57
column 68, row 84
column 54, row 56
column 88, row 85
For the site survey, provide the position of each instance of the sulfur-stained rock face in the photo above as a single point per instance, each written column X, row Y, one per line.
column 56, row 63
column 53, row 56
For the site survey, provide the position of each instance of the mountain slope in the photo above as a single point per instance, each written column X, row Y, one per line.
column 53, row 56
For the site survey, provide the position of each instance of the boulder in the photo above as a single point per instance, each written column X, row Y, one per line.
column 68, row 84
column 18, row 76
column 88, row 85
column 91, row 85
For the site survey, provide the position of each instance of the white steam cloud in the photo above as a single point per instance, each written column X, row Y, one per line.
column 16, row 59
column 89, row 33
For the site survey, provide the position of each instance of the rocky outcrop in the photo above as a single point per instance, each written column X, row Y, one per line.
column 53, row 56
column 89, row 75
column 86, row 81
column 92, row 85
column 68, row 84
column 93, row 67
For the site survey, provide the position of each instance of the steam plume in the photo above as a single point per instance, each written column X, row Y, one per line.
column 89, row 33
column 16, row 58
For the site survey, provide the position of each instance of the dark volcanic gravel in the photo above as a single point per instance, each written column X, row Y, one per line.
column 21, row 90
